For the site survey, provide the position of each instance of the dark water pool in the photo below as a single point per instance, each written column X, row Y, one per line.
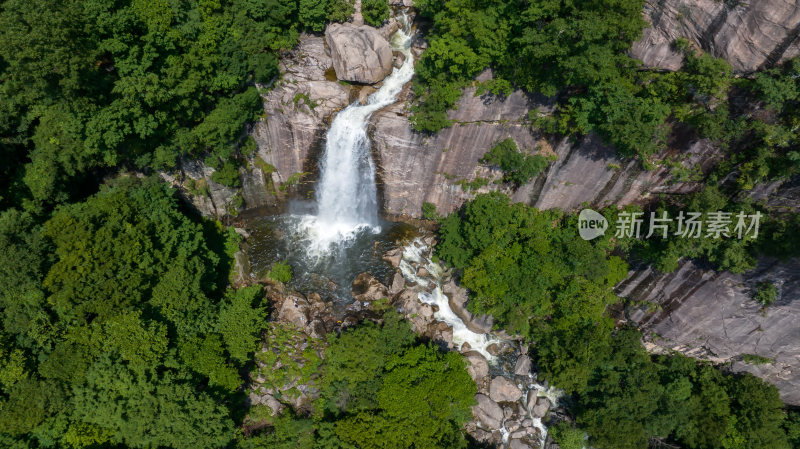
column 330, row 272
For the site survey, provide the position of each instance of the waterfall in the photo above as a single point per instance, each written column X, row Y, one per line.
column 346, row 194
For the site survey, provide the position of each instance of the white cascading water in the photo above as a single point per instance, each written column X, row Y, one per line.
column 346, row 193
column 416, row 253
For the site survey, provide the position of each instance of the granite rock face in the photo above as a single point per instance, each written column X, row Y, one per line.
column 711, row 315
column 298, row 109
column 749, row 34
column 414, row 168
column 360, row 53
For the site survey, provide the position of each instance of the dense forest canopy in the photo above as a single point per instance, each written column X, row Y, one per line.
column 93, row 85
column 527, row 269
column 119, row 324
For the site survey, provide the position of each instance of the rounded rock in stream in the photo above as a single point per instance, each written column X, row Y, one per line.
column 503, row 390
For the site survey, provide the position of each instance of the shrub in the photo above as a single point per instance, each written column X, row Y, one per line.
column 766, row 293
column 281, row 271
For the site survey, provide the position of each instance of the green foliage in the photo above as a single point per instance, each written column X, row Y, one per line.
column 375, row 12
column 241, row 318
column 289, row 357
column 755, row 359
column 528, row 270
column 429, row 211
column 518, row 168
column 113, row 329
column 227, row 175
column 766, row 293
column 313, row 13
column 734, row 254
column 340, row 10
column 89, row 86
column 281, row 272
column 567, row 437
column 379, row 388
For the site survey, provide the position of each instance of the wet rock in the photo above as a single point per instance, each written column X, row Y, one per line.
column 523, row 366
column 488, row 412
column 360, row 54
column 393, row 256
column 527, row 422
column 291, row 129
column 531, row 402
column 481, row 436
column 364, row 93
column 422, row 272
column 519, row 434
column 493, row 349
column 388, row 29
column 398, row 59
column 503, row 390
column 512, row 425
column 367, row 288
column 540, row 409
column 398, row 284
column 508, row 412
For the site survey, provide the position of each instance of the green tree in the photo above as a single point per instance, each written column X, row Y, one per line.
column 375, row 12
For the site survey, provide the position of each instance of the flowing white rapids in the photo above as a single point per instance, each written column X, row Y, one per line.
column 346, row 194
column 417, row 254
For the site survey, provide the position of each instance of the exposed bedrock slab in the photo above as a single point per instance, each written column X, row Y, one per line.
column 749, row 34
column 711, row 315
column 297, row 109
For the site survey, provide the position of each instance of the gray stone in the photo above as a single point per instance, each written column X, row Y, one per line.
column 360, row 53
column 289, row 131
column 542, row 406
column 748, row 34
column 488, row 412
column 294, row 310
column 523, row 366
column 512, row 425
column 477, row 366
column 711, row 315
column 367, row 288
column 518, row 444
column 398, row 284
column 503, row 390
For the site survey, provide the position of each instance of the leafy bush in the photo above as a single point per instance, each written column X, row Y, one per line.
column 766, row 293
column 429, row 211
column 517, row 167
column 281, row 271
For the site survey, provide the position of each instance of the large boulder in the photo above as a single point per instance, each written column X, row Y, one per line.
column 503, row 390
column 523, row 366
column 477, row 366
column 488, row 412
column 367, row 288
column 360, row 53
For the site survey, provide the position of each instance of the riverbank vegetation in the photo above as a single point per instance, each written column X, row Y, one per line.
column 529, row 270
